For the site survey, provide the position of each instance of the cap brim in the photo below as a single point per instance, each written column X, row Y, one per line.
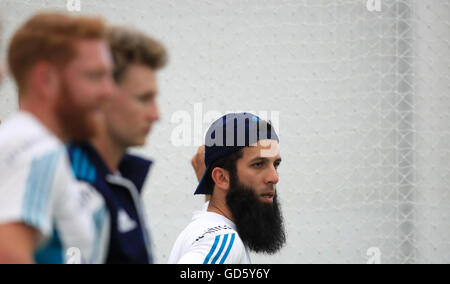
column 203, row 187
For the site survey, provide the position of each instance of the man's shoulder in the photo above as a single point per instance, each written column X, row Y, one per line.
column 209, row 239
column 23, row 138
column 210, row 231
column 207, row 226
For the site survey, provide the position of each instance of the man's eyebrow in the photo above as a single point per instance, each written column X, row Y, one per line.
column 148, row 94
column 263, row 159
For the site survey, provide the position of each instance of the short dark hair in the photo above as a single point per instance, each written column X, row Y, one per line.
column 130, row 46
column 227, row 163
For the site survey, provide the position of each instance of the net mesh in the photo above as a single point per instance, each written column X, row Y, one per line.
column 362, row 91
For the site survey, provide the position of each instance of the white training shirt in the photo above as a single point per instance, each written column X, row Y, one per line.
column 209, row 239
column 37, row 188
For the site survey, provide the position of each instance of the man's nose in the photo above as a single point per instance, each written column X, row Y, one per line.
column 153, row 113
column 272, row 175
column 109, row 88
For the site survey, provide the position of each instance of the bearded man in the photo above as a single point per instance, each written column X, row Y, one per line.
column 241, row 158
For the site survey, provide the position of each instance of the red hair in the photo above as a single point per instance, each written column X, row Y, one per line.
column 49, row 37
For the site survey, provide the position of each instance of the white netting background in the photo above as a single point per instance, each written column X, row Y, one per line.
column 364, row 104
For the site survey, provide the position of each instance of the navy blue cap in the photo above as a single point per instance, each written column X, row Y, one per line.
column 229, row 134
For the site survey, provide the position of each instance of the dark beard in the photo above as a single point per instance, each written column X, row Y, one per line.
column 260, row 225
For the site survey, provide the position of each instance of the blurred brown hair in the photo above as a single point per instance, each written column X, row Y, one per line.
column 49, row 37
column 129, row 46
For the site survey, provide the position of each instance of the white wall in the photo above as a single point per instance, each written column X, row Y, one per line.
column 432, row 137
column 363, row 104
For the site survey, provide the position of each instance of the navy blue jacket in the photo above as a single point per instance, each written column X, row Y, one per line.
column 129, row 237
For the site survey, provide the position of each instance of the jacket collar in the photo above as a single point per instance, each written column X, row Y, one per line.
column 131, row 167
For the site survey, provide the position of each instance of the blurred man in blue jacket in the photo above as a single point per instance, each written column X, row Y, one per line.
column 103, row 162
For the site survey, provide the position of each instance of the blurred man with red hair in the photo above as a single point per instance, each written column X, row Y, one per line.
column 63, row 70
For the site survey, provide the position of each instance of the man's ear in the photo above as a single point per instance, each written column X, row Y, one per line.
column 221, row 178
column 45, row 77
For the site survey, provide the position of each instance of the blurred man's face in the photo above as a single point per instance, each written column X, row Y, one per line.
column 132, row 111
column 85, row 86
column 253, row 201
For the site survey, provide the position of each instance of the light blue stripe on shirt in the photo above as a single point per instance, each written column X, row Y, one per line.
column 30, row 201
column 48, row 185
column 230, row 245
column 38, row 188
column 216, row 241
column 222, row 246
column 100, row 218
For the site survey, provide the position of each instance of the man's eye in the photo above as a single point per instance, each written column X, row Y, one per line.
column 145, row 99
column 94, row 76
column 257, row 165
